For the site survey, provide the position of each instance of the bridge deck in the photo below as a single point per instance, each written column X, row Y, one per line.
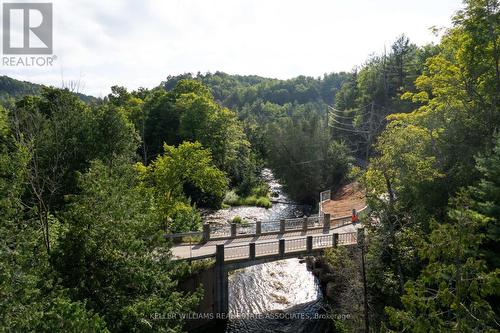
column 238, row 247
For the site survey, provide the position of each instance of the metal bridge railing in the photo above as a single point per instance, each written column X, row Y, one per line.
column 238, row 251
column 348, row 238
column 233, row 230
column 266, row 248
column 295, row 244
column 322, row 241
column 283, row 246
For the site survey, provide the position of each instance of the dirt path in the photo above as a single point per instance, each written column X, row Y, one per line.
column 347, row 198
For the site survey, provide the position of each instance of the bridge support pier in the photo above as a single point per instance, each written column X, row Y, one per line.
column 251, row 251
column 221, row 284
column 206, row 232
column 309, row 244
column 233, row 229
column 326, row 223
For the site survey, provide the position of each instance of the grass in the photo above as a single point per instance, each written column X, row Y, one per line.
column 259, row 196
column 192, row 239
column 187, row 240
column 184, row 270
column 239, row 220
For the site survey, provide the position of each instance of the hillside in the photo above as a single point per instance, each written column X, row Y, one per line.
column 12, row 88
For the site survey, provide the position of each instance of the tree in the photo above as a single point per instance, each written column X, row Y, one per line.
column 487, row 194
column 113, row 254
column 114, row 135
column 162, row 122
column 188, row 164
column 132, row 106
column 55, row 129
column 62, row 135
column 424, row 158
column 31, row 299
column 303, row 157
column 453, row 291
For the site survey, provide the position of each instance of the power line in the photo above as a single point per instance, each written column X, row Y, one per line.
column 346, row 124
column 340, row 123
column 341, row 116
column 350, row 110
column 348, row 130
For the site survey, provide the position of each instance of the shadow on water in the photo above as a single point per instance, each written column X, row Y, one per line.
column 300, row 318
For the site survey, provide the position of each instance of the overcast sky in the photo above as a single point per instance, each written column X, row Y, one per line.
column 139, row 43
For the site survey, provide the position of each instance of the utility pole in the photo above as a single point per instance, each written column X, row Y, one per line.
column 386, row 86
column 365, row 293
column 361, row 244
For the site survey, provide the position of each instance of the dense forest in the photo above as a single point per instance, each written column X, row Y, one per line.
column 89, row 187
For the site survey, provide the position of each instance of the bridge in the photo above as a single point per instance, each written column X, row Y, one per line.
column 250, row 241
column 237, row 246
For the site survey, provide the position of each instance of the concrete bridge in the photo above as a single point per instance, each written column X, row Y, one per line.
column 236, row 236
column 238, row 246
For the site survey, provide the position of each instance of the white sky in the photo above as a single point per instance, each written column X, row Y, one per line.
column 138, row 43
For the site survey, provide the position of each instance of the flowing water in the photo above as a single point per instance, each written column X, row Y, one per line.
column 281, row 296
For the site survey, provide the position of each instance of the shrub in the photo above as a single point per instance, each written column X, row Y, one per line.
column 231, row 198
column 237, row 220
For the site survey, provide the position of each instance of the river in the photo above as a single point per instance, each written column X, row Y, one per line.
column 281, row 296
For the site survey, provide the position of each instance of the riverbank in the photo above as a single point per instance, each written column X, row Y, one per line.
column 339, row 274
column 259, row 196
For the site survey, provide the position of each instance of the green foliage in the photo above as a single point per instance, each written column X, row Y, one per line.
column 62, row 135
column 305, row 158
column 257, row 196
column 342, row 276
column 113, row 254
column 57, row 126
column 265, row 105
column 161, row 124
column 452, row 291
column 189, row 113
column 237, row 220
column 167, row 176
column 115, row 136
column 63, row 315
column 11, row 89
column 231, row 198
column 30, row 298
column 431, row 253
column 487, row 194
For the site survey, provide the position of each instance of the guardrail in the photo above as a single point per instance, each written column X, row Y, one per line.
column 283, row 246
column 323, row 196
column 233, row 230
column 347, row 238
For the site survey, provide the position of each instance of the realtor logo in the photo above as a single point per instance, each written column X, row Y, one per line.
column 27, row 28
